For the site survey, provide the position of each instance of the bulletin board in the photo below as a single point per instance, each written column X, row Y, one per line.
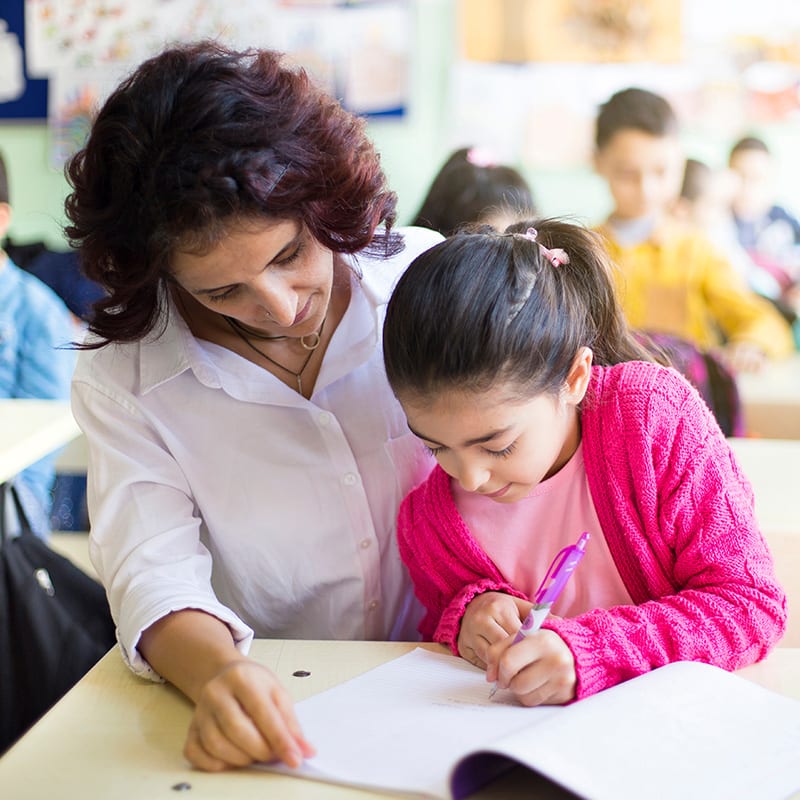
column 525, row 62
column 357, row 50
column 21, row 96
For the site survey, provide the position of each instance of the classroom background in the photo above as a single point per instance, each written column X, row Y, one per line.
column 522, row 78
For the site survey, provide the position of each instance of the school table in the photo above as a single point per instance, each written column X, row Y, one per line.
column 30, row 430
column 118, row 737
column 773, row 467
column 771, row 399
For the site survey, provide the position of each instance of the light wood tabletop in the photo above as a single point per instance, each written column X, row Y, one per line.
column 771, row 399
column 118, row 737
column 773, row 466
column 30, row 430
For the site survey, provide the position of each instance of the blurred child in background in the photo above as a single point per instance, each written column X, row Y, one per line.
column 671, row 278
column 705, row 201
column 768, row 232
column 35, row 360
column 471, row 187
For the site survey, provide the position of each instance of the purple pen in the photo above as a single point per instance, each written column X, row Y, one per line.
column 552, row 584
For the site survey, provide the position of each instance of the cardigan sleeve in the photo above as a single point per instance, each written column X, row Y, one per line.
column 679, row 518
column 446, row 565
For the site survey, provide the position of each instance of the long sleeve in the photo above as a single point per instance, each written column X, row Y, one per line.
column 679, row 518
column 447, row 566
column 743, row 315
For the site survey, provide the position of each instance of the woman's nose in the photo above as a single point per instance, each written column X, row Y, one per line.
column 278, row 300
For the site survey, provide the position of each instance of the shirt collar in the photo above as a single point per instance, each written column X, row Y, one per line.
column 172, row 349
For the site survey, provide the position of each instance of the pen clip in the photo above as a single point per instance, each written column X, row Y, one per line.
column 559, row 571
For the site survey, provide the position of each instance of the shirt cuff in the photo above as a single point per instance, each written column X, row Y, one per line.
column 129, row 631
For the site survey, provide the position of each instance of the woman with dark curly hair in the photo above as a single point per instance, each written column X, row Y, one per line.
column 247, row 457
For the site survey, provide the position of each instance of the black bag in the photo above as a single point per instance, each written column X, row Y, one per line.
column 54, row 624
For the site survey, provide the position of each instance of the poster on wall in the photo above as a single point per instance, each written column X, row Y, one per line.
column 536, row 106
column 357, row 51
column 518, row 31
column 22, row 96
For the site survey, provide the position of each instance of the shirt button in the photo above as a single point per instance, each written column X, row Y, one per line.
column 324, row 419
column 365, row 543
column 373, row 605
column 350, row 479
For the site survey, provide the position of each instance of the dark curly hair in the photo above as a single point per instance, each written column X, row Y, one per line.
column 199, row 137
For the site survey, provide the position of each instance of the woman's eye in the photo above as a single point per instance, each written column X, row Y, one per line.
column 216, row 298
column 433, row 450
column 293, row 256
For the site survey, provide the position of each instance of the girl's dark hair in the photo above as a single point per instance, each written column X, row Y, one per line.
column 197, row 138
column 466, row 190
column 482, row 307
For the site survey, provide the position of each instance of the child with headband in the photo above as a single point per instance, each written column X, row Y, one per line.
column 511, row 358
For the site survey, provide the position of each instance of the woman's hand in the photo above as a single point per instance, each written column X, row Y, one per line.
column 540, row 669
column 244, row 715
column 489, row 618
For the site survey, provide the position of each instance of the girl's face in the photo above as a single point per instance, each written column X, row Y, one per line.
column 497, row 445
column 271, row 275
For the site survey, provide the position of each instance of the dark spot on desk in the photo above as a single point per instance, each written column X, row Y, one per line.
column 301, row 673
column 182, row 787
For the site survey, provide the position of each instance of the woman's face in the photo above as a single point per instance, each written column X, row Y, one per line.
column 271, row 275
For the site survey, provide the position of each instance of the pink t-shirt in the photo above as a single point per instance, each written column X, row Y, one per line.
column 522, row 538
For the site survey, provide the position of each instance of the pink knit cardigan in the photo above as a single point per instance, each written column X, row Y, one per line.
column 679, row 519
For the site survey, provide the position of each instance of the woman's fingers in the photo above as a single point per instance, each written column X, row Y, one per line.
column 243, row 715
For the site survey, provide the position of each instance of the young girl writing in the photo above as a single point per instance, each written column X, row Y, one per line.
column 511, row 359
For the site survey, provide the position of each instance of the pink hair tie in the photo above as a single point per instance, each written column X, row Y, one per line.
column 556, row 256
column 481, row 157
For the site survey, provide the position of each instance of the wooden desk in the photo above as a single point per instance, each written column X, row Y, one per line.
column 771, row 399
column 772, row 465
column 116, row 737
column 30, row 430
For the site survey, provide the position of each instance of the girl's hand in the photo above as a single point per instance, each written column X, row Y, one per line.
column 743, row 357
column 540, row 669
column 243, row 715
column 489, row 618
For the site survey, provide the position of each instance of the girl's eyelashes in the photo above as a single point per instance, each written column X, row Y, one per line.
column 506, row 451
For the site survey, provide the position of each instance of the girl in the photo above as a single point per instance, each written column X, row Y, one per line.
column 238, row 484
column 511, row 359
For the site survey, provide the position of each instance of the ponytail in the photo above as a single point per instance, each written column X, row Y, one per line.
column 482, row 307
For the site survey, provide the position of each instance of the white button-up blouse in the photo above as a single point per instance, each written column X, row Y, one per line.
column 214, row 486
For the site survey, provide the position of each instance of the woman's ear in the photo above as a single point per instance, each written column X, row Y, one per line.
column 578, row 378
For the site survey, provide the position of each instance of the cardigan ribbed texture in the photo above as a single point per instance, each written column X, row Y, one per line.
column 679, row 519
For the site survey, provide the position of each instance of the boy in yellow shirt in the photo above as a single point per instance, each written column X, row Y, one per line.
column 671, row 278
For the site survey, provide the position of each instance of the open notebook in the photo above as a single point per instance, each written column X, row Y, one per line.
column 423, row 724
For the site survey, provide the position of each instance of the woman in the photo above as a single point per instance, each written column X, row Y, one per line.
column 247, row 457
